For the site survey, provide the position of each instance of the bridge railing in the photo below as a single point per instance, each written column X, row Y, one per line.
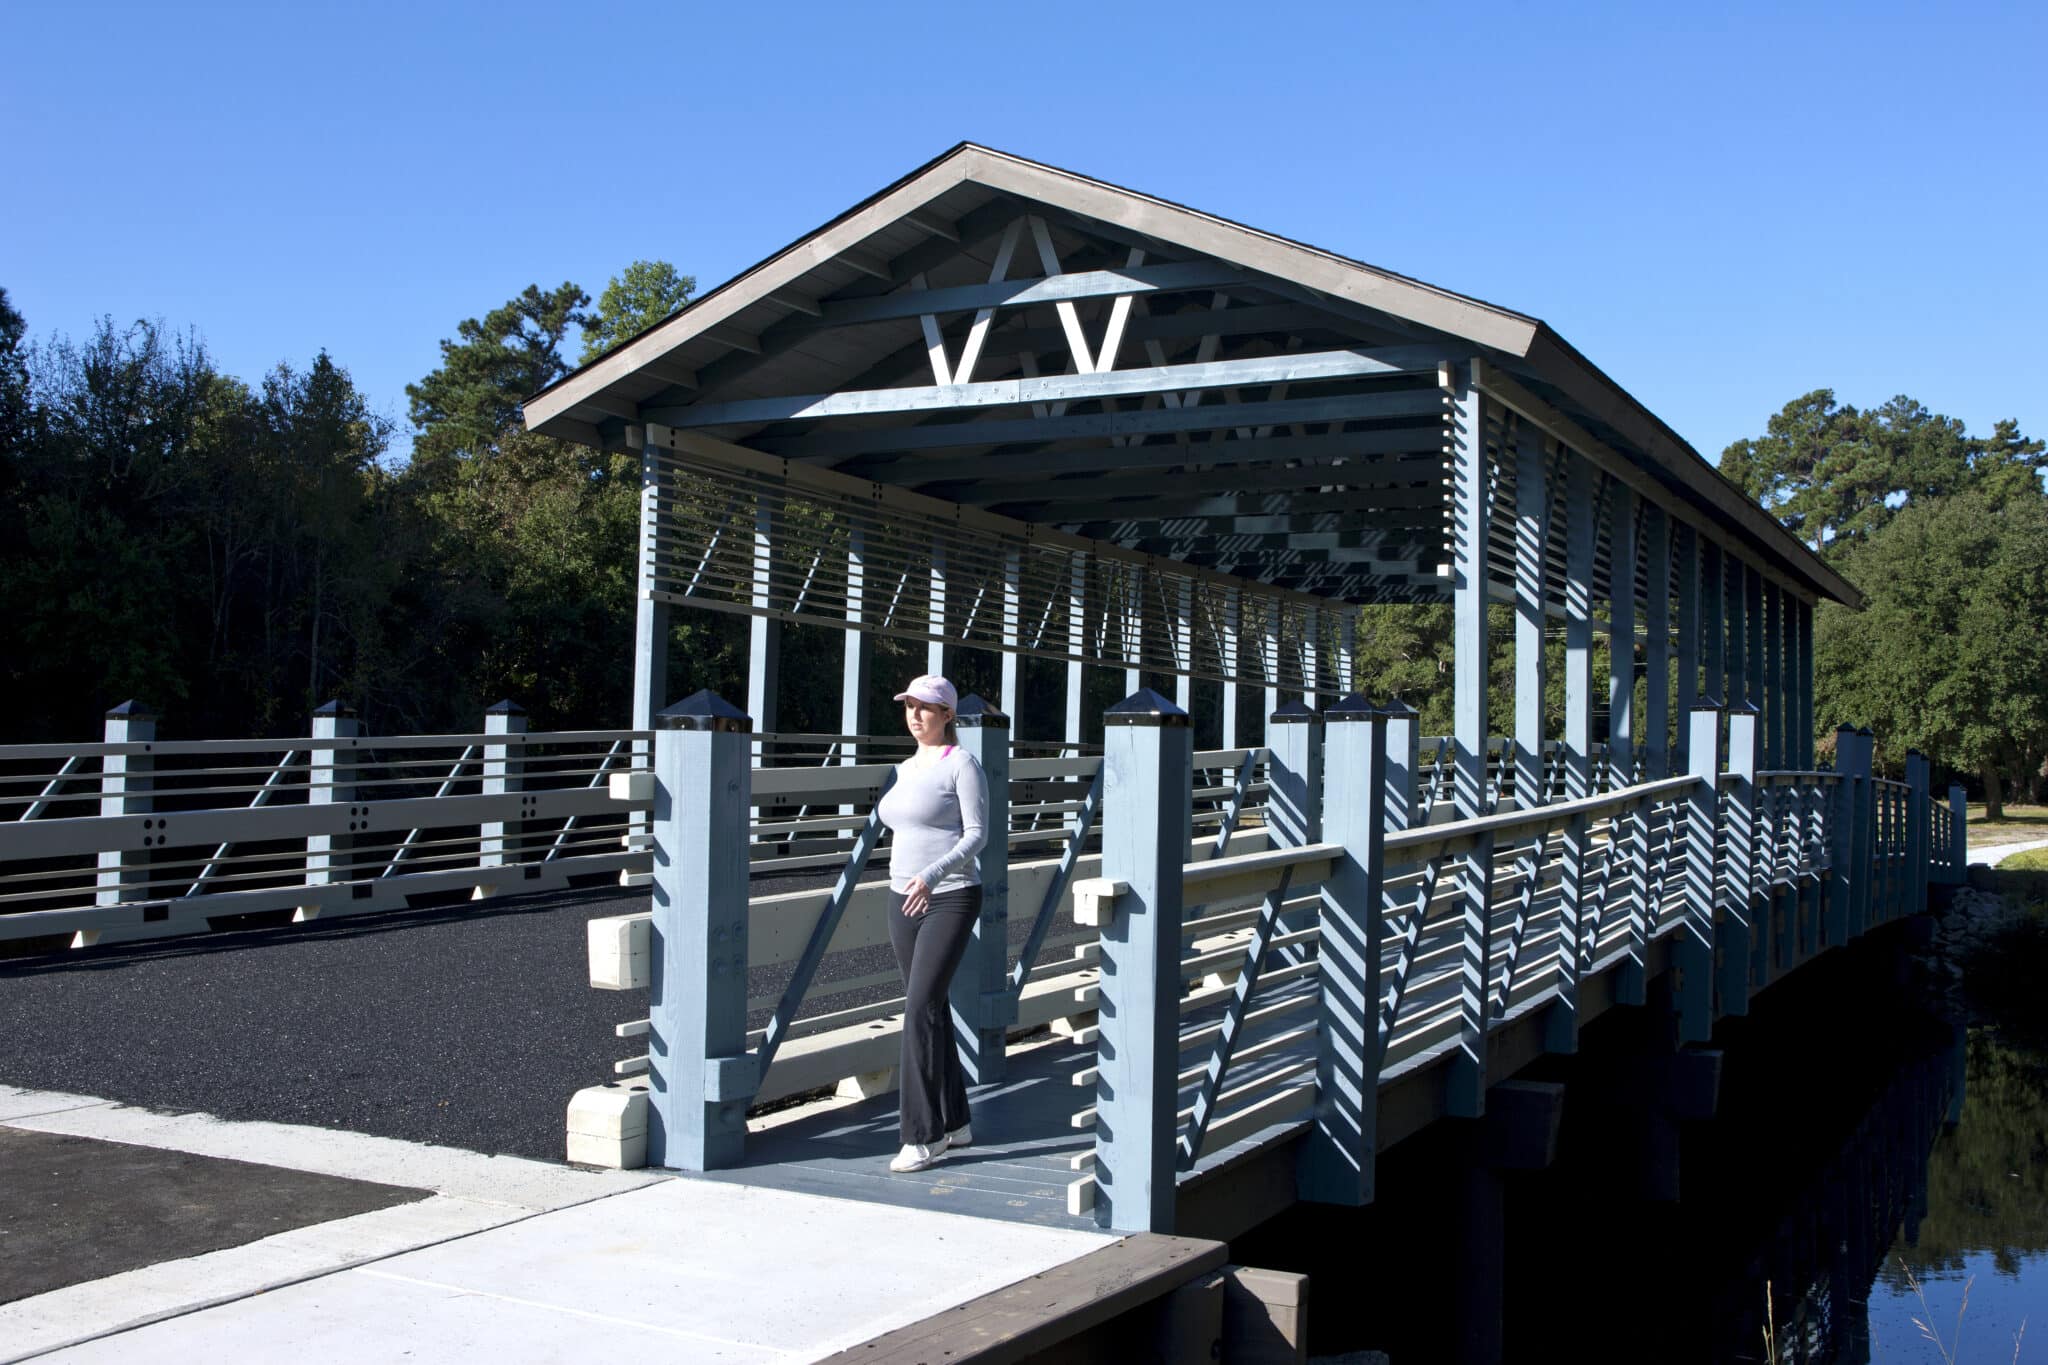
column 1426, row 942
column 136, row 837
column 814, row 1010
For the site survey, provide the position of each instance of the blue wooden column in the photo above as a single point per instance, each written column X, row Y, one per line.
column 1147, row 762
column 1693, row 954
column 1735, row 932
column 1837, row 919
column 1294, row 800
column 1919, row 816
column 650, row 630
column 1627, row 879
column 1466, row 1086
column 983, row 1008
column 1959, row 835
column 1337, row 1161
column 1581, row 535
column 700, row 1072
column 1863, row 905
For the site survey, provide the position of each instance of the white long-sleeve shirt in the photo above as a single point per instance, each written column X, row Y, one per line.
column 939, row 816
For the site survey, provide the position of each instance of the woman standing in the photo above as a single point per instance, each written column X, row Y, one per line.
column 938, row 813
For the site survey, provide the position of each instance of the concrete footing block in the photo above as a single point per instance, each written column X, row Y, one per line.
column 608, row 1125
column 867, row 1084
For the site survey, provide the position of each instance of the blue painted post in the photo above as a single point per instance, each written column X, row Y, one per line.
column 983, row 1008
column 503, row 773
column 650, row 631
column 1686, row 544
column 764, row 632
column 1958, row 834
column 1918, row 837
column 1404, row 764
column 1561, row 1025
column 857, row 654
column 1532, row 557
column 1693, row 964
column 1147, row 761
column 1842, row 871
column 330, row 781
column 1864, row 908
column 1294, row 799
column 1734, row 931
column 1337, row 1162
column 1627, row 880
column 700, row 1072
column 1466, row 1087
column 126, row 781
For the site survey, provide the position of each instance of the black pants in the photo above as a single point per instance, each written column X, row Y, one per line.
column 928, row 949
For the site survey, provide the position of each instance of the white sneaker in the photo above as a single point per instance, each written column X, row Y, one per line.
column 963, row 1136
column 915, row 1156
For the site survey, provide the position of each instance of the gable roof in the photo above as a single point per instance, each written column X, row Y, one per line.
column 761, row 333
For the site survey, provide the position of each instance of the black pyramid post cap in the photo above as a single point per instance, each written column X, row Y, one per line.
column 1145, row 707
column 974, row 711
column 337, row 707
column 1293, row 713
column 1707, row 702
column 1350, row 710
column 1399, row 710
column 1845, row 728
column 1745, row 707
column 507, row 707
column 1865, row 731
column 705, row 710
column 134, row 710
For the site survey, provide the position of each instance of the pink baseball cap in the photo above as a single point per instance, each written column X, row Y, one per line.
column 930, row 687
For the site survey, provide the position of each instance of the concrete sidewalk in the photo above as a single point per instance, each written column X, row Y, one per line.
column 511, row 1259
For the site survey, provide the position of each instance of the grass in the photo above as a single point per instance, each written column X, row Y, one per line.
column 2033, row 860
column 2019, row 824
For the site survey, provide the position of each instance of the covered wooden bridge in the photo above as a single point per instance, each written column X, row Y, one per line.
column 1003, row 407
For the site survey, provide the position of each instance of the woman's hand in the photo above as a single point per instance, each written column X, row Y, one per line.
column 917, row 899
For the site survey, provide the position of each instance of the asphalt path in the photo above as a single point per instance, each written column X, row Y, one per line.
column 468, row 1026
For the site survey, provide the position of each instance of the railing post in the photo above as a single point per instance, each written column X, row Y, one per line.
column 1958, row 835
column 1862, row 826
column 1843, row 874
column 1147, row 757
column 1404, row 762
column 1693, row 966
column 1337, row 1162
column 330, row 781
column 983, row 1008
column 1919, row 815
column 1735, row 930
column 126, row 781
column 503, row 774
column 1294, row 796
column 700, row 1073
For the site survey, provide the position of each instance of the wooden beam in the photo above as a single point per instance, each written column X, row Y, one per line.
column 1296, row 367
column 830, row 447
column 1087, row 284
column 1025, row 471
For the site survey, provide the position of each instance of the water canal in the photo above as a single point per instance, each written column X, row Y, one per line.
column 1880, row 1147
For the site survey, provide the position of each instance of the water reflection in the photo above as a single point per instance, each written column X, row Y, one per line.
column 1860, row 1137
column 1986, row 1225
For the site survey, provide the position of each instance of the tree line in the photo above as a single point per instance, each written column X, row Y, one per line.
column 237, row 553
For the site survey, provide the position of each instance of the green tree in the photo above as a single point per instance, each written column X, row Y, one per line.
column 1834, row 475
column 1949, row 655
column 638, row 297
column 463, row 408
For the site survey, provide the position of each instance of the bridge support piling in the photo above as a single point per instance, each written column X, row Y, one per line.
column 700, row 1074
column 1147, row 757
column 1518, row 1134
column 1338, row 1158
column 983, row 1008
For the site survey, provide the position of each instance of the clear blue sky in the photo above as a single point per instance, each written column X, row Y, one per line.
column 1722, row 206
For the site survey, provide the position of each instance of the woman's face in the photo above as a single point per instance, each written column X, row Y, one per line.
column 926, row 720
